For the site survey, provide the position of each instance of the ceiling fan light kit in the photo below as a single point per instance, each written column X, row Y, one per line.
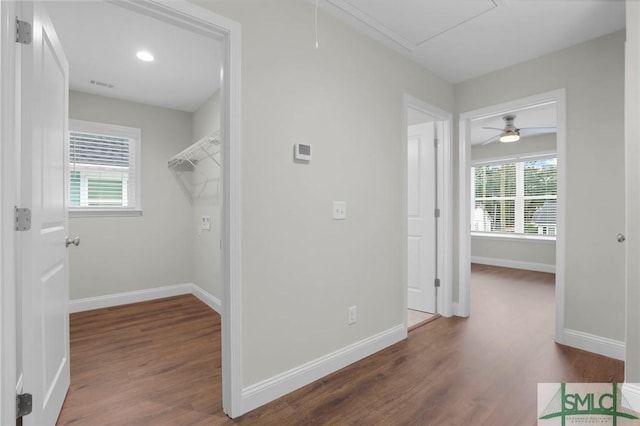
column 510, row 136
column 511, row 133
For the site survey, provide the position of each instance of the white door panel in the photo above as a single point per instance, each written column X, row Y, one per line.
column 414, row 275
column 45, row 278
column 421, row 225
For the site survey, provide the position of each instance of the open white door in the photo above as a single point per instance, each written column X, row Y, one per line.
column 421, row 205
column 44, row 269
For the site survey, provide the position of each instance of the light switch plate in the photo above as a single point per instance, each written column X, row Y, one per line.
column 339, row 210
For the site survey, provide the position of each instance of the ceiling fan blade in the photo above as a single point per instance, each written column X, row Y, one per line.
column 530, row 131
column 493, row 128
column 490, row 140
column 548, row 129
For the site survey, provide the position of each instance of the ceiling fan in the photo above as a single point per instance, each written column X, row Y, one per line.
column 510, row 133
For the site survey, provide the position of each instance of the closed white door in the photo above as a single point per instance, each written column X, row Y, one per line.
column 421, row 205
column 44, row 271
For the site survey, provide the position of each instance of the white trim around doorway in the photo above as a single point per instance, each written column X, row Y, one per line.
column 190, row 16
column 463, row 306
column 445, row 202
column 9, row 171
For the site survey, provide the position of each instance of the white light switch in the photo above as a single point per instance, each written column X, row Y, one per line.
column 205, row 223
column 339, row 210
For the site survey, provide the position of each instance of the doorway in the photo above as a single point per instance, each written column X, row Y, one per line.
column 427, row 207
column 186, row 15
column 482, row 213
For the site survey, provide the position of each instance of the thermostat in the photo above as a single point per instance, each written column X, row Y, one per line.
column 302, row 152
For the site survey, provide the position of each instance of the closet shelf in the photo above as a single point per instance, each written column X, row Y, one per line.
column 191, row 162
column 206, row 147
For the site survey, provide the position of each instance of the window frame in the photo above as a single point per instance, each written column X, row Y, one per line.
column 132, row 133
column 519, row 197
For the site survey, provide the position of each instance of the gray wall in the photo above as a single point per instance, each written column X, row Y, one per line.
column 121, row 254
column 541, row 254
column 593, row 75
column 516, row 253
column 632, row 154
column 301, row 269
column 206, row 244
column 526, row 145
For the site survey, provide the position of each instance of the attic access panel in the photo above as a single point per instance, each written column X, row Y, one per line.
column 413, row 22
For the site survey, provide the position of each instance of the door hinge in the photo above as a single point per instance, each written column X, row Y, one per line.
column 23, row 219
column 436, row 282
column 23, row 32
column 436, row 213
column 24, row 404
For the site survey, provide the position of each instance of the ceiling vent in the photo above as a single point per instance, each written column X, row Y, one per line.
column 102, row 84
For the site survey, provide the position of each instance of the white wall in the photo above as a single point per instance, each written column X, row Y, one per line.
column 593, row 75
column 124, row 254
column 301, row 269
column 206, row 244
column 532, row 254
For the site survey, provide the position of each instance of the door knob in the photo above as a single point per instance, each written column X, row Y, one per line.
column 75, row 242
column 621, row 238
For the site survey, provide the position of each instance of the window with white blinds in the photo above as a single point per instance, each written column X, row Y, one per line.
column 516, row 197
column 104, row 169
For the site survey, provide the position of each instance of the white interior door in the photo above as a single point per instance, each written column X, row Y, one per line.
column 44, row 271
column 421, row 205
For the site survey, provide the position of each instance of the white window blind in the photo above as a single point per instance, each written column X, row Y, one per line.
column 515, row 197
column 104, row 168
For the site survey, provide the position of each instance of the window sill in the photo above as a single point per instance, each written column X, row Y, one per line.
column 104, row 213
column 549, row 239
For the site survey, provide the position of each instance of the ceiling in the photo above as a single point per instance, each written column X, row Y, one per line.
column 455, row 39
column 544, row 115
column 462, row 39
column 101, row 39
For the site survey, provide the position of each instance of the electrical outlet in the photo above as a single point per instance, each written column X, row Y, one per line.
column 352, row 315
column 339, row 210
column 205, row 223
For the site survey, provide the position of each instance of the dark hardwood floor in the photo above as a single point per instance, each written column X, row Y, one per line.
column 158, row 363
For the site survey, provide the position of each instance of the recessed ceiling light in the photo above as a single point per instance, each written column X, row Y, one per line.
column 145, row 56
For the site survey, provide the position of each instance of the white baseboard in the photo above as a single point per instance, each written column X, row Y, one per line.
column 109, row 300
column 516, row 264
column 631, row 396
column 117, row 299
column 207, row 298
column 455, row 309
column 592, row 343
column 274, row 387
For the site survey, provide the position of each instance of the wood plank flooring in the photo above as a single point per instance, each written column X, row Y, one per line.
column 151, row 363
column 158, row 363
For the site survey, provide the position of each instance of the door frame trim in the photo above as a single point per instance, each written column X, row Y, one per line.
column 445, row 202
column 464, row 203
column 9, row 179
column 197, row 19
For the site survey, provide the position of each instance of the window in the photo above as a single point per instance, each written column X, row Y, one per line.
column 516, row 197
column 104, row 169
